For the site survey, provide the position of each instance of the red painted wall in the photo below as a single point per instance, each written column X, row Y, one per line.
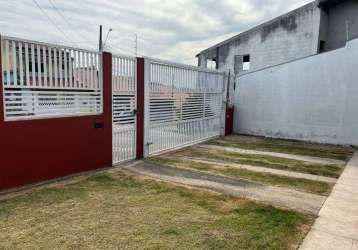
column 37, row 150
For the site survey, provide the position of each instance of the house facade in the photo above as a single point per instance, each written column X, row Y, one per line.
column 314, row 28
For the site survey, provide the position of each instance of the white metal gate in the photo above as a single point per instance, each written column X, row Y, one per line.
column 185, row 105
column 124, row 99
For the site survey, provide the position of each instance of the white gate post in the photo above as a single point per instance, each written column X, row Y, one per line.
column 147, row 129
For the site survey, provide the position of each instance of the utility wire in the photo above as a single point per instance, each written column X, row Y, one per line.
column 126, row 51
column 69, row 24
column 48, row 17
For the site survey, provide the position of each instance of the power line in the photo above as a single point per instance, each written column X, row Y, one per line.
column 126, row 51
column 48, row 17
column 69, row 24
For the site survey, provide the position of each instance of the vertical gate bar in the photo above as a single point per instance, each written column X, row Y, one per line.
column 7, row 63
column 44, row 56
column 34, row 81
column 39, row 68
column 27, row 66
column 14, row 63
column 50, row 67
column 65, row 67
column 21, row 67
column 60, row 66
column 55, row 67
column 69, row 63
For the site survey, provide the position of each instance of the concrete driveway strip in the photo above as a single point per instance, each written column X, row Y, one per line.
column 311, row 159
column 281, row 197
column 265, row 170
column 337, row 225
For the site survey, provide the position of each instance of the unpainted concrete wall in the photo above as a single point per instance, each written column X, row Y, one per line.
column 339, row 17
column 289, row 37
column 313, row 99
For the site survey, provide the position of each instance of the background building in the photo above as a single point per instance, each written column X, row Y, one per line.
column 317, row 27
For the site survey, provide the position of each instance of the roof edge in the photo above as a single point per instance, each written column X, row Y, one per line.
column 246, row 32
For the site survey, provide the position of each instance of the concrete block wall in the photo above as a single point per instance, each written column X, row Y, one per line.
column 342, row 24
column 312, row 99
column 286, row 38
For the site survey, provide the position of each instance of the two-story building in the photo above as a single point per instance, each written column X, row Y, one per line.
column 317, row 27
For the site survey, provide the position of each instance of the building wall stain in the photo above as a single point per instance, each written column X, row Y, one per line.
column 288, row 23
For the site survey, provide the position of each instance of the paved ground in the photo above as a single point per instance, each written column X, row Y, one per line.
column 337, row 225
column 310, row 159
column 282, row 197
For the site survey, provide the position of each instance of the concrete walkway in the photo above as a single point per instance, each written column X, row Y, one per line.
column 266, row 170
column 281, row 197
column 310, row 159
column 337, row 225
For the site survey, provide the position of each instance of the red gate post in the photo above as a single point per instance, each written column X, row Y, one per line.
column 107, row 96
column 1, row 90
column 140, row 107
column 229, row 121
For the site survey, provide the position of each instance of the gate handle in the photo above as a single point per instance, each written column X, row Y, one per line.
column 135, row 111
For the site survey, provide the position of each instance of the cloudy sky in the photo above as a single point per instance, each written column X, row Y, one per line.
column 168, row 29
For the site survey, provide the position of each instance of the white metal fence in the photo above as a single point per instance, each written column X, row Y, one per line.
column 43, row 80
column 124, row 88
column 185, row 105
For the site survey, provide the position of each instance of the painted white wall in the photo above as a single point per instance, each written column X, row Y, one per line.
column 313, row 99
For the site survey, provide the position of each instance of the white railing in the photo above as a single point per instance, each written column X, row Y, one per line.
column 124, row 97
column 185, row 105
column 44, row 80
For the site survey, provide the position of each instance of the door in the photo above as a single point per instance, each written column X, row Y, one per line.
column 124, row 104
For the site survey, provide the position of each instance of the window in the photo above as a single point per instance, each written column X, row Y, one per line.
column 246, row 62
column 211, row 64
column 322, row 46
column 242, row 63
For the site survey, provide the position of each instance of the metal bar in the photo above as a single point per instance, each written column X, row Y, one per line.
column 60, row 65
column 66, row 84
column 27, row 66
column 45, row 75
column 39, row 68
column 14, row 63
column 21, row 67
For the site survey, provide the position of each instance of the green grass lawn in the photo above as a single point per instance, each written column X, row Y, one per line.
column 285, row 146
column 299, row 184
column 115, row 211
column 263, row 161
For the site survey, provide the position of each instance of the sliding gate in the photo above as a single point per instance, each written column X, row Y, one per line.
column 124, row 89
column 185, row 105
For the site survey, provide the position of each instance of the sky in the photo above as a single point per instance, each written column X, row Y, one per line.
column 174, row 30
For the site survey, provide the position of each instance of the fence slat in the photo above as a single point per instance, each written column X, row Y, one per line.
column 21, row 66
column 41, row 80
column 14, row 63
